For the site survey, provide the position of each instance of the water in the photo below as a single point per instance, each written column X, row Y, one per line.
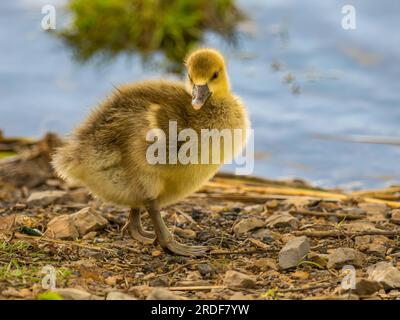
column 348, row 82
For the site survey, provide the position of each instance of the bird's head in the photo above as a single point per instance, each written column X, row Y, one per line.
column 206, row 73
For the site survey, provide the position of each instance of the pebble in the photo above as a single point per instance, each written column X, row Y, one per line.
column 293, row 252
column 78, row 224
column 345, row 256
column 395, row 216
column 365, row 287
column 246, row 225
column 87, row 220
column 235, row 279
column 263, row 234
column 163, row 294
column 282, row 220
column 386, row 274
column 116, row 295
column 44, row 198
column 376, row 245
column 205, row 269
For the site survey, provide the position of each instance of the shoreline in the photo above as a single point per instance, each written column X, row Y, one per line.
column 267, row 239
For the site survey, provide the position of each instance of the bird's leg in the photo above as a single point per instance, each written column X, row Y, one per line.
column 165, row 237
column 134, row 227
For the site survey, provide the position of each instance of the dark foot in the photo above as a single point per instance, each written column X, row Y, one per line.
column 164, row 236
column 184, row 250
column 134, row 227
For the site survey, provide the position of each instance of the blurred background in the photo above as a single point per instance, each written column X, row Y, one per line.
column 308, row 83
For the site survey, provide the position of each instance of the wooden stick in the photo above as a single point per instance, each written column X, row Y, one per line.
column 256, row 199
column 195, row 288
column 343, row 234
column 328, row 214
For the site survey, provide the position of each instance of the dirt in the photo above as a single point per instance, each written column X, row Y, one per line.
column 105, row 260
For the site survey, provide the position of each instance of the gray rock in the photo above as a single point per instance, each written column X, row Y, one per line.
column 246, row 225
column 374, row 208
column 235, row 279
column 282, row 220
column 263, row 234
column 386, row 274
column 87, row 220
column 360, row 226
column 293, row 252
column 75, row 225
column 116, row 295
column 395, row 216
column 205, row 268
column 44, row 198
column 61, row 227
column 163, row 294
column 366, row 287
column 345, row 256
column 376, row 245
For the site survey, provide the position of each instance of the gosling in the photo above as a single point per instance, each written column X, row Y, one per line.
column 107, row 152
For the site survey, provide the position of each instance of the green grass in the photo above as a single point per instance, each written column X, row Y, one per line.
column 49, row 295
column 7, row 154
column 105, row 28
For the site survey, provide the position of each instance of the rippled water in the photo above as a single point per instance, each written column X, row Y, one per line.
column 347, row 83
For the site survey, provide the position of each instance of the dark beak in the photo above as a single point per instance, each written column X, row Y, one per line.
column 200, row 95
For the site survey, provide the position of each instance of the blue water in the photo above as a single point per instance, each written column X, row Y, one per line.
column 348, row 82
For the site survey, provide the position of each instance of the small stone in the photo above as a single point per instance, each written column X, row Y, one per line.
column 282, row 220
column 62, row 227
column 163, row 294
column 44, row 198
column 293, row 252
column 235, row 279
column 318, row 258
column 159, row 282
column 185, row 233
column 113, row 280
column 254, row 209
column 90, row 236
column 17, row 293
column 246, row 225
column 7, row 223
column 140, row 292
column 205, row 269
column 75, row 294
column 386, row 274
column 87, row 220
column 345, row 256
column 374, row 208
column 20, row 206
column 360, row 226
column 263, row 234
column 240, row 296
column 116, row 295
column 395, row 216
column 299, row 274
column 265, row 264
column 156, row 253
column 376, row 245
column 365, row 287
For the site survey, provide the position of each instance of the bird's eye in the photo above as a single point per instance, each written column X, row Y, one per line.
column 215, row 75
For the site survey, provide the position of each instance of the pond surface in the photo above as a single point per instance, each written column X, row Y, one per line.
column 298, row 71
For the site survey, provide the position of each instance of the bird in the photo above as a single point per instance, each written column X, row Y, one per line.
column 108, row 151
